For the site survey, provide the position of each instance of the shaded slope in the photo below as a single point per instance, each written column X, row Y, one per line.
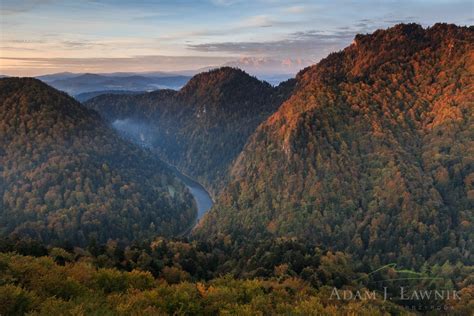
column 203, row 127
column 67, row 177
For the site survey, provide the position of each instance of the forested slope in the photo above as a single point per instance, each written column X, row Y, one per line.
column 42, row 286
column 373, row 154
column 66, row 177
column 203, row 127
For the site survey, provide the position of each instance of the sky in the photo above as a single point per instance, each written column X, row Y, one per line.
column 48, row 36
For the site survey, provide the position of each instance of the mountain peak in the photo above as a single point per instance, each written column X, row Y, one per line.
column 89, row 75
column 265, row 66
column 397, row 44
column 362, row 154
column 41, row 97
column 219, row 75
column 411, row 37
column 216, row 81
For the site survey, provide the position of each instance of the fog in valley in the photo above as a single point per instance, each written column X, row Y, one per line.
column 138, row 132
column 144, row 135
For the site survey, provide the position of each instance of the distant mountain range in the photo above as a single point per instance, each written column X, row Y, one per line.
column 271, row 70
column 83, row 97
column 75, row 84
column 83, row 86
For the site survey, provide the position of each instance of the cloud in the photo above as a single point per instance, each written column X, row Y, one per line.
column 257, row 21
column 32, row 65
column 303, row 44
column 81, row 44
column 13, row 48
column 295, row 9
column 409, row 19
column 150, row 17
column 244, row 25
column 225, row 2
column 9, row 7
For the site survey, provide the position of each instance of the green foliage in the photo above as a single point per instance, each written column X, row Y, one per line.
column 202, row 128
column 65, row 177
column 112, row 292
column 16, row 301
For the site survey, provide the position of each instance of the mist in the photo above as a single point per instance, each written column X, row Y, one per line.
column 143, row 134
column 138, row 132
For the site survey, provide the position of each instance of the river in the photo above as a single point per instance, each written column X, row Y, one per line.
column 140, row 134
column 201, row 196
column 203, row 200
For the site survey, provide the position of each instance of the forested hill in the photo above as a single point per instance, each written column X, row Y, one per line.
column 66, row 177
column 203, row 127
column 373, row 154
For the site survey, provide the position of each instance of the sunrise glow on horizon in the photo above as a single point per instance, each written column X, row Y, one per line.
column 48, row 36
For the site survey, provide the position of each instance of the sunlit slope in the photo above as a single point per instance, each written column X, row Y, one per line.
column 373, row 154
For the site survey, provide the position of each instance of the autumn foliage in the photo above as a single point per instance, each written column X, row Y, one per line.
column 372, row 154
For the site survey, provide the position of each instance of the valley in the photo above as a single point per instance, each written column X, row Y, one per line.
column 142, row 134
column 231, row 196
column 201, row 128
